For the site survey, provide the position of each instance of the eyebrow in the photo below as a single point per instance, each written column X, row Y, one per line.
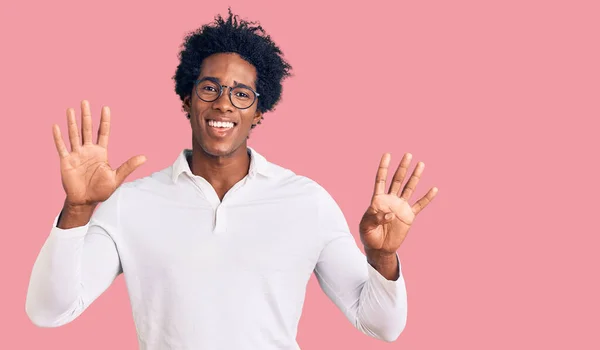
column 235, row 82
column 242, row 85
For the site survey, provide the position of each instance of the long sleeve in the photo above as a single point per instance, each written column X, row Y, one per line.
column 74, row 267
column 375, row 306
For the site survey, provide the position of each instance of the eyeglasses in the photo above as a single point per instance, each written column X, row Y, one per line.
column 210, row 90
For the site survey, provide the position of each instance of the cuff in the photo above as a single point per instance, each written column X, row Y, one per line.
column 375, row 275
column 79, row 231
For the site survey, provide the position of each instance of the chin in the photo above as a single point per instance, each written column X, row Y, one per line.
column 220, row 149
column 218, row 145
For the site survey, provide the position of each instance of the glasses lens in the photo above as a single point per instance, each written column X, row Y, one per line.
column 208, row 90
column 242, row 97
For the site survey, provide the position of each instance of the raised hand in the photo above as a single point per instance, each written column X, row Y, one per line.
column 87, row 178
column 386, row 222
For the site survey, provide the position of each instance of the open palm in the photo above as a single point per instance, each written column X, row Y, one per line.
column 86, row 175
column 388, row 218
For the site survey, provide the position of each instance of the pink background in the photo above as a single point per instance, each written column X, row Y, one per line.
column 499, row 99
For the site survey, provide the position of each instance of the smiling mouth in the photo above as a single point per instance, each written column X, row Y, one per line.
column 221, row 125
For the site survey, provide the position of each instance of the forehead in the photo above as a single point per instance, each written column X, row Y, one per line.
column 228, row 67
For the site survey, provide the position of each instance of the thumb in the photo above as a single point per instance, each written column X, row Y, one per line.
column 128, row 167
column 372, row 220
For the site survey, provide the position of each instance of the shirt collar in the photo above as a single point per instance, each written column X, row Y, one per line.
column 258, row 164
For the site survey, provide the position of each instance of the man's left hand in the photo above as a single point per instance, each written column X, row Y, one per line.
column 388, row 219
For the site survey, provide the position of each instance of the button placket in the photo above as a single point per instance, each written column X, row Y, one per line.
column 220, row 224
column 219, row 207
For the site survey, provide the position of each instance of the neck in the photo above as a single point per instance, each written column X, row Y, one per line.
column 222, row 172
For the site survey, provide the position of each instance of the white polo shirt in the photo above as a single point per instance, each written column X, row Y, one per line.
column 208, row 274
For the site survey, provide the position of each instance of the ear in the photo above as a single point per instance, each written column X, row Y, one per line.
column 187, row 105
column 257, row 118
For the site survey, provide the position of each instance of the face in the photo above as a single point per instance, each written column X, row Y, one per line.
column 219, row 128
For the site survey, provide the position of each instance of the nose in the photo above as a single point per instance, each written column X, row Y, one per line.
column 223, row 103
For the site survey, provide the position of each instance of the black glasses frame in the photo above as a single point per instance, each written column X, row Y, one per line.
column 221, row 89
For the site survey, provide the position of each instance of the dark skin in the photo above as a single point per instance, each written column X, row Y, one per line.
column 389, row 217
column 222, row 159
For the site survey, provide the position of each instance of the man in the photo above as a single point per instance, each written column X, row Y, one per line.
column 217, row 249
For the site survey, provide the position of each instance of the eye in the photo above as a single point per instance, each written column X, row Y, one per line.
column 209, row 88
column 241, row 94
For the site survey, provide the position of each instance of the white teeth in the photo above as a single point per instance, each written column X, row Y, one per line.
column 217, row 124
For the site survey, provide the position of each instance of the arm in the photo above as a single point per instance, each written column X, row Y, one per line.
column 373, row 304
column 74, row 267
column 79, row 259
column 370, row 290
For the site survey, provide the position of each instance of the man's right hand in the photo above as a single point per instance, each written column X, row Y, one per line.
column 87, row 177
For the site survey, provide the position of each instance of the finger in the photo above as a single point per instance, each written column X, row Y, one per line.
column 422, row 203
column 375, row 219
column 73, row 131
column 413, row 181
column 382, row 174
column 86, row 123
column 128, row 167
column 58, row 142
column 104, row 128
column 400, row 174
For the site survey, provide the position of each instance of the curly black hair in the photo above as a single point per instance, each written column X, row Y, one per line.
column 232, row 35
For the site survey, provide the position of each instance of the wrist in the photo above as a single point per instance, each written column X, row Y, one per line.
column 380, row 256
column 386, row 263
column 73, row 208
column 75, row 215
